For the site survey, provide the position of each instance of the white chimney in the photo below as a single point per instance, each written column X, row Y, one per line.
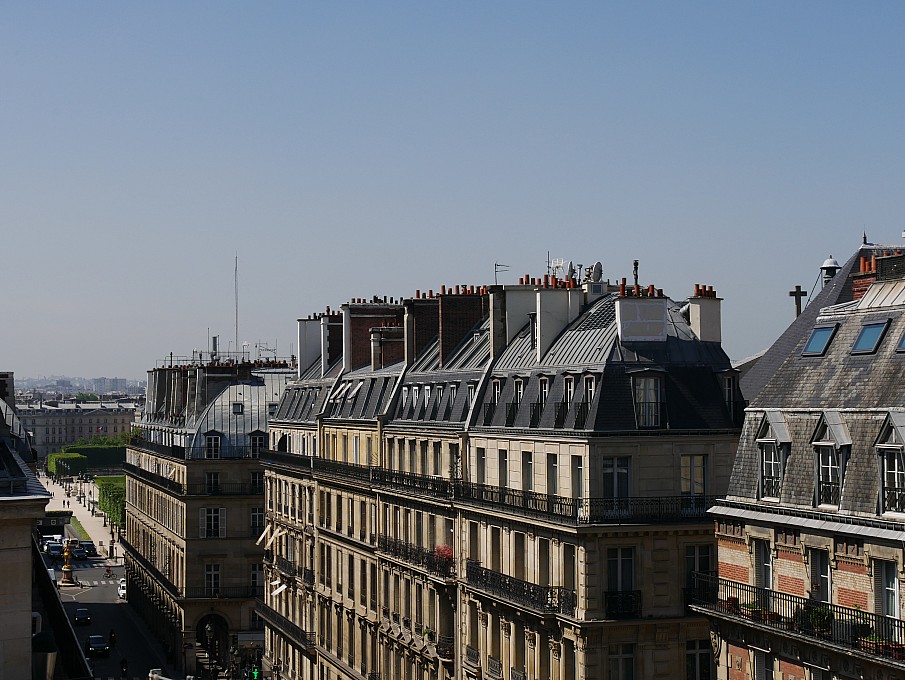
column 309, row 336
column 704, row 314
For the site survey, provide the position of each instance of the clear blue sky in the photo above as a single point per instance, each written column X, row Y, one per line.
column 358, row 148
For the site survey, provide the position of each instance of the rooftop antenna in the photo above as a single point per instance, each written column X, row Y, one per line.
column 236, row 285
column 556, row 265
column 497, row 267
column 635, row 272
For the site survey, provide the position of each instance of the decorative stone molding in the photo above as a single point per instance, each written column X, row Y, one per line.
column 555, row 648
column 482, row 616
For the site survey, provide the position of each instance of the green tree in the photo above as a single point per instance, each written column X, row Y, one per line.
column 111, row 499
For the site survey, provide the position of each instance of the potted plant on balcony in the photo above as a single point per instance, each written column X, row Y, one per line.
column 753, row 610
column 872, row 644
column 820, row 619
column 443, row 552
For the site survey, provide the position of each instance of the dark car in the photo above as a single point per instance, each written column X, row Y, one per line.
column 98, row 646
column 82, row 617
column 54, row 550
column 78, row 553
column 90, row 548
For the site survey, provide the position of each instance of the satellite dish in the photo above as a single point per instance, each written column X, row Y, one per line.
column 597, row 272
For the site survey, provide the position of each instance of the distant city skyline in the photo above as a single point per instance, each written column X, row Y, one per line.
column 342, row 150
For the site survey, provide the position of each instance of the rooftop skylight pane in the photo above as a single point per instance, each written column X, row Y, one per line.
column 869, row 338
column 901, row 346
column 819, row 340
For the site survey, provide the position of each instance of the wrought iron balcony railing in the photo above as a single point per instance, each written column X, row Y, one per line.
column 398, row 479
column 824, row 623
column 288, row 567
column 550, row 599
column 227, row 489
column 894, row 499
column 445, row 646
column 770, row 487
column 153, row 478
column 489, row 411
column 290, row 630
column 221, row 452
column 434, row 562
column 494, row 667
column 222, row 592
column 472, row 656
column 581, row 415
column 828, row 493
column 623, row 604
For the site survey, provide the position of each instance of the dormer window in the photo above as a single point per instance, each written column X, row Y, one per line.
column 831, row 444
column 891, row 449
column 569, row 390
column 415, row 391
column 589, row 386
column 771, row 470
column 647, row 390
column 405, row 396
column 827, row 474
column 497, row 387
column 869, row 338
column 238, row 408
column 519, row 390
column 544, row 390
column 819, row 341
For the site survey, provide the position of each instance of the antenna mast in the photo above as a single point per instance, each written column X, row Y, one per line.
column 236, row 285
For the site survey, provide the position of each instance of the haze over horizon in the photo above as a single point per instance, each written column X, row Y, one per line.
column 350, row 150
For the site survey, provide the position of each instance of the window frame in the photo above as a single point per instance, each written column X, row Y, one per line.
column 833, row 328
column 777, row 461
column 884, row 327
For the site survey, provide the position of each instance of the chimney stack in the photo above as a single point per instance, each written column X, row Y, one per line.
column 704, row 314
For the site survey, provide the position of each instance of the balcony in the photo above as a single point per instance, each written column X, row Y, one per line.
column 559, row 418
column 286, row 627
column 494, row 667
column 446, row 647
column 546, row 599
column 168, row 450
column 581, row 414
column 623, row 604
column 227, row 592
column 517, row 674
column 511, row 413
column 537, row 410
column 228, row 489
column 409, row 481
column 770, row 487
column 472, row 656
column 436, row 563
column 893, row 499
column 824, row 624
column 153, row 478
column 285, row 566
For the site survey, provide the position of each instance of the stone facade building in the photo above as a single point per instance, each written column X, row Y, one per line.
column 811, row 533
column 53, row 425
column 506, row 482
column 195, row 505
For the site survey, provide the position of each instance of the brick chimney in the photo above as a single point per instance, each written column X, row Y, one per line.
column 422, row 325
column 458, row 315
column 357, row 321
column 387, row 346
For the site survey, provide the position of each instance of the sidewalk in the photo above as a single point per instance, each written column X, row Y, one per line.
column 100, row 535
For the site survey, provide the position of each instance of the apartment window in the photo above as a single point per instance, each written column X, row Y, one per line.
column 496, row 389
column 886, row 588
column 730, row 390
column 212, row 578
column 698, row 558
column 693, row 474
column 616, row 477
column 821, row 585
column 763, row 564
column 527, row 471
column 258, row 443
column 552, row 474
column 213, row 522
column 212, row 446
column 503, row 468
column 257, row 481
column 238, row 408
column 621, row 662
column 405, row 396
column 481, row 465
column 647, row 401
column 568, row 390
column 257, row 518
column 257, row 575
column 771, row 469
column 763, row 665
column 544, row 385
column 453, row 388
column 620, row 569
column 212, row 482
column 471, row 393
column 519, row 391
column 698, row 662
column 893, row 479
column 827, row 475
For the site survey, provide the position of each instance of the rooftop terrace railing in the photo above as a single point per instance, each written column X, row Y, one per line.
column 822, row 622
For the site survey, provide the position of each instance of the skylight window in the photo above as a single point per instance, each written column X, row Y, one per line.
column 869, row 338
column 819, row 341
column 901, row 346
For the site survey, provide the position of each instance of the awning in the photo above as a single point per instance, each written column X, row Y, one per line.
column 276, row 534
column 279, row 590
column 263, row 535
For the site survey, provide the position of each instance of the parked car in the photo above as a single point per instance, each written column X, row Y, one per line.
column 54, row 549
column 90, row 548
column 82, row 616
column 121, row 590
column 98, row 646
column 78, row 553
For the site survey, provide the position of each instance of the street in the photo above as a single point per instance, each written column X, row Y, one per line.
column 98, row 593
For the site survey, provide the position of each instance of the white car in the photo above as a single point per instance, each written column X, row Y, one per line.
column 121, row 589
